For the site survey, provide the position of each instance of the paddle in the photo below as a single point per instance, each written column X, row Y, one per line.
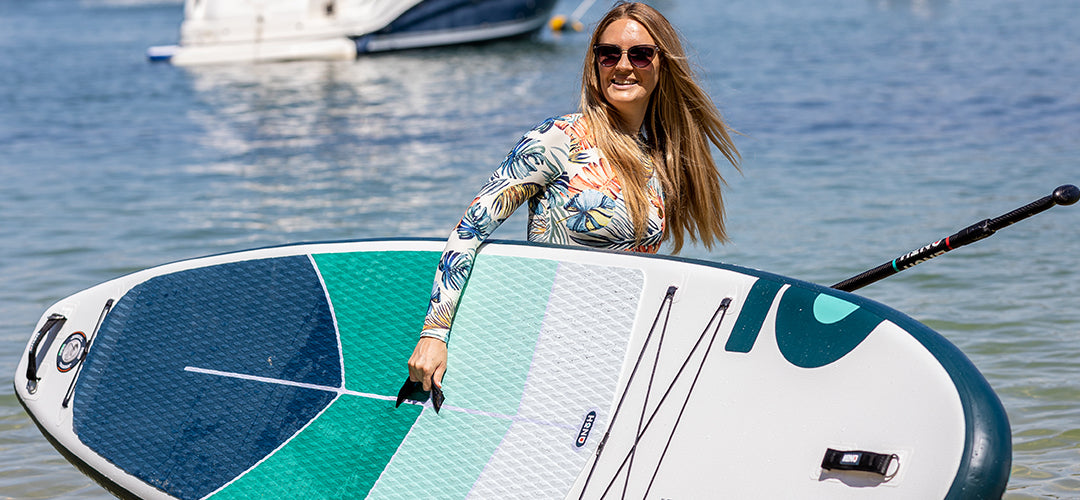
column 1063, row 195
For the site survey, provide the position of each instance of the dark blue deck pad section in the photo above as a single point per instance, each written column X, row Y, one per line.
column 189, row 433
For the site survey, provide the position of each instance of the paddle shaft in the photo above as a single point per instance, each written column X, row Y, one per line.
column 1063, row 195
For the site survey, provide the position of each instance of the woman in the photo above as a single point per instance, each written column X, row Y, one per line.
column 633, row 169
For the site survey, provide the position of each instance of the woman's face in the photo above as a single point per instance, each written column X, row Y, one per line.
column 625, row 86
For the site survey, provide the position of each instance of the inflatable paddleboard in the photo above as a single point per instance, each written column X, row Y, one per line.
column 572, row 374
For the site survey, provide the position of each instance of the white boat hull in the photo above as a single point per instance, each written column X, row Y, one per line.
column 229, row 31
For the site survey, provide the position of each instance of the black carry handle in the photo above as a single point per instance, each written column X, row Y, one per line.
column 1063, row 195
column 55, row 321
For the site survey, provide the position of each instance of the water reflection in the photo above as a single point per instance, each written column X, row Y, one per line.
column 919, row 8
column 371, row 147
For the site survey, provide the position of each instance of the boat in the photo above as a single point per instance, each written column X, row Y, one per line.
column 231, row 31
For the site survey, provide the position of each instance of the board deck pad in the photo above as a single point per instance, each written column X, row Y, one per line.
column 280, row 396
column 275, row 372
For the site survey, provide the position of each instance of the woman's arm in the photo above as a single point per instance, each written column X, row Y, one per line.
column 524, row 173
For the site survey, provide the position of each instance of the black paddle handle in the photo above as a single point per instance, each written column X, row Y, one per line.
column 1063, row 195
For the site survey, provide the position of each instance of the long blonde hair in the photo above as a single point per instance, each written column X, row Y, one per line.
column 680, row 122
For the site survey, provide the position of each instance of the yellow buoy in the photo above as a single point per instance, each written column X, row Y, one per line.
column 558, row 23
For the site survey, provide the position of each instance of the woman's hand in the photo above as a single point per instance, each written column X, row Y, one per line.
column 428, row 360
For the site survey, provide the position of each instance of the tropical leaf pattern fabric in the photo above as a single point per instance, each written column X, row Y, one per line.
column 574, row 198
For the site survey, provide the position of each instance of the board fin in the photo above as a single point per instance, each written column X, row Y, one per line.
column 414, row 391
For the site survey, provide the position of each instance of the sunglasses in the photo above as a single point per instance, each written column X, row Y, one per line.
column 639, row 55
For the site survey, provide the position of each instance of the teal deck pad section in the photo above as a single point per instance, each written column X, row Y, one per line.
column 339, row 455
column 379, row 300
column 495, row 332
column 442, row 457
column 752, row 315
column 807, row 342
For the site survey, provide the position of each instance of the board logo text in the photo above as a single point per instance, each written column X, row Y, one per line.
column 586, row 427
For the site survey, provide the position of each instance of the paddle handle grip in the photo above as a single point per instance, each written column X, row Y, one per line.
column 1063, row 195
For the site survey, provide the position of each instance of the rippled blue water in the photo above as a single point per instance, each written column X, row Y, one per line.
column 869, row 128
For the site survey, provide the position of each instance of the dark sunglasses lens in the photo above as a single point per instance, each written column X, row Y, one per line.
column 607, row 55
column 640, row 56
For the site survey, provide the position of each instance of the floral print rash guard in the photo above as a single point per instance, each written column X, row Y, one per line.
column 574, row 198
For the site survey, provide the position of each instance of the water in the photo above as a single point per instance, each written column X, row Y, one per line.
column 869, row 128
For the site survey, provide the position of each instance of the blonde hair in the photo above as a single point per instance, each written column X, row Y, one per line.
column 680, row 122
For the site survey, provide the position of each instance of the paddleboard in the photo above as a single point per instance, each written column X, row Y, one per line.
column 573, row 373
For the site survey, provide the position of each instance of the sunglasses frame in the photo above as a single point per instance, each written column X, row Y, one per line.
column 596, row 48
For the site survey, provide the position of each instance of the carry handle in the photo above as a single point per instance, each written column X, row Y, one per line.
column 55, row 322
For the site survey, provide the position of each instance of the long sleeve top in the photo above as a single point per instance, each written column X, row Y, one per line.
column 574, row 198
